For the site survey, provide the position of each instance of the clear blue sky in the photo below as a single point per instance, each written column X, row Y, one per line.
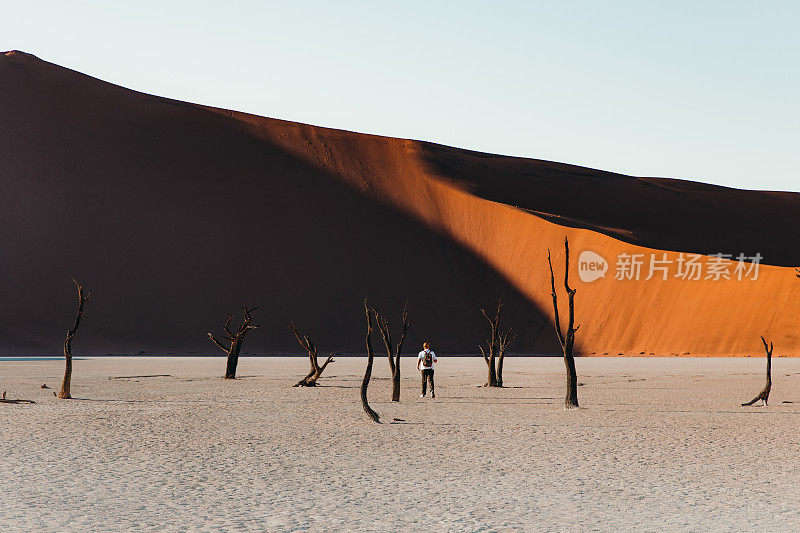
column 695, row 90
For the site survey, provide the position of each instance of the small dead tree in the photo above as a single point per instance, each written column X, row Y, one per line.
column 235, row 339
column 368, row 372
column 496, row 345
column 567, row 338
column 316, row 370
column 64, row 393
column 506, row 338
column 764, row 394
column 393, row 352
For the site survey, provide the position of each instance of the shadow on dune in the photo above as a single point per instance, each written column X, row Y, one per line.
column 173, row 215
column 667, row 214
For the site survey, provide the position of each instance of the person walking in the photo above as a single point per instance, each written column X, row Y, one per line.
column 425, row 361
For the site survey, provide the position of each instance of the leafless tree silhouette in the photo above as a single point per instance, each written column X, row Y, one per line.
column 316, row 370
column 567, row 338
column 495, row 350
column 764, row 394
column 64, row 393
column 368, row 372
column 234, row 339
column 393, row 352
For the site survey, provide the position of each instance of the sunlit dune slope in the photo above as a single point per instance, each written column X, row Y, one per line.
column 173, row 213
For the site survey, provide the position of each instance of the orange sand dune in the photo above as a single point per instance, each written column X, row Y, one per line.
column 174, row 213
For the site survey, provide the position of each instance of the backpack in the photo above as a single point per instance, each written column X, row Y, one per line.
column 427, row 360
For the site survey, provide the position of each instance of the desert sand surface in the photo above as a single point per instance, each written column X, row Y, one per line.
column 173, row 213
column 659, row 444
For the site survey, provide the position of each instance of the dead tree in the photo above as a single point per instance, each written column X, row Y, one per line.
column 64, row 393
column 764, row 394
column 368, row 372
column 316, row 370
column 505, row 339
column 567, row 338
column 234, row 340
column 496, row 345
column 393, row 352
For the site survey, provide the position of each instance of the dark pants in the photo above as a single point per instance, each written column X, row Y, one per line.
column 427, row 375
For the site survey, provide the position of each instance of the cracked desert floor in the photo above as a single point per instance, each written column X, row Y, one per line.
column 658, row 444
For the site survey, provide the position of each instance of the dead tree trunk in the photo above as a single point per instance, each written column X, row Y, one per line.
column 393, row 352
column 496, row 344
column 316, row 370
column 234, row 340
column 64, row 393
column 566, row 339
column 764, row 394
column 368, row 372
column 505, row 339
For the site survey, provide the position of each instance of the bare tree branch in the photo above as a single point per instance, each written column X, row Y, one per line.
column 218, row 343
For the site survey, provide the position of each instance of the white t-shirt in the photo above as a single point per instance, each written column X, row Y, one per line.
column 421, row 359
